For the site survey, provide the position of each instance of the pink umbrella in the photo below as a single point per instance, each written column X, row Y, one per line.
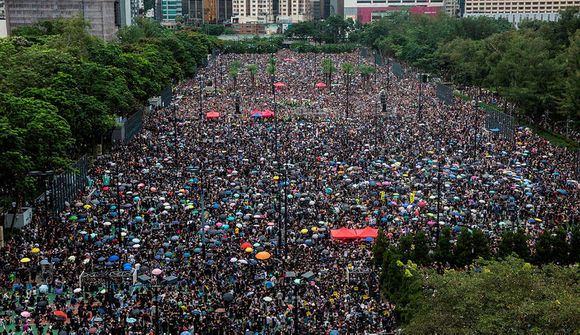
column 320, row 85
column 157, row 272
column 267, row 113
column 25, row 314
column 431, row 223
column 279, row 84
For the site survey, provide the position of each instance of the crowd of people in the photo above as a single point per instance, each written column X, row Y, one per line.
column 222, row 225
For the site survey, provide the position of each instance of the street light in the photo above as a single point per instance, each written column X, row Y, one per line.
column 44, row 175
column 117, row 183
column 156, row 273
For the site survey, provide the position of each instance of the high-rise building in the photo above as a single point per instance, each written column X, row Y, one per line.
column 3, row 31
column 293, row 11
column 364, row 10
column 516, row 11
column 130, row 10
column 103, row 16
column 170, row 11
column 452, row 8
column 252, row 11
column 207, row 11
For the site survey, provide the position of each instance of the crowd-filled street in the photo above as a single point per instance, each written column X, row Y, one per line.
column 225, row 219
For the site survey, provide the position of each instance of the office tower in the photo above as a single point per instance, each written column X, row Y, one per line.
column 293, row 11
column 170, row 10
column 252, row 11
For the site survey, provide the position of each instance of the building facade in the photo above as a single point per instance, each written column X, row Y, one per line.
column 104, row 16
column 252, row 11
column 293, row 11
column 517, row 11
column 170, row 11
column 207, row 11
column 3, row 31
column 362, row 10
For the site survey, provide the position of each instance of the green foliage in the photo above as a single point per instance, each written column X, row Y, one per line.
column 444, row 250
column 502, row 297
column 254, row 45
column 302, row 47
column 421, row 248
column 213, row 29
column 60, row 86
column 516, row 243
column 380, row 246
column 333, row 29
column 535, row 67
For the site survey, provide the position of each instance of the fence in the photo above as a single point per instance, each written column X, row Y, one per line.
column 445, row 93
column 500, row 123
column 397, row 69
column 67, row 185
column 125, row 131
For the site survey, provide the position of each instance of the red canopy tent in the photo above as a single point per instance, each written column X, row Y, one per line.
column 212, row 115
column 320, row 85
column 367, row 232
column 267, row 113
column 343, row 234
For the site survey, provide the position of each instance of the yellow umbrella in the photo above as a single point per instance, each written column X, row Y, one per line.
column 276, row 178
column 304, row 231
column 248, row 249
column 314, row 229
column 25, row 260
column 87, row 206
column 35, row 250
column 263, row 255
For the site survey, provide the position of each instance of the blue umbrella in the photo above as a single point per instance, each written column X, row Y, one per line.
column 113, row 258
column 369, row 239
column 561, row 191
column 197, row 250
column 187, row 254
column 185, row 333
column 138, row 219
column 127, row 267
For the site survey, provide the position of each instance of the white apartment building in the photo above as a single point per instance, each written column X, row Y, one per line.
column 252, row 11
column 362, row 10
column 294, row 11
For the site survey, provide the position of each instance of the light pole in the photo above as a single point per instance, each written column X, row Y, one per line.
column 156, row 273
column 118, row 196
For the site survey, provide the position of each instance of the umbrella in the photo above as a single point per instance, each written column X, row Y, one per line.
column 279, row 84
column 267, row 299
column 131, row 320
column 212, row 115
column 320, row 85
column 263, row 255
column 35, row 250
column 25, row 260
column 157, row 272
column 246, row 245
column 228, row 297
column 25, row 314
column 113, row 258
column 92, row 330
column 185, row 333
column 43, row 288
column 60, row 314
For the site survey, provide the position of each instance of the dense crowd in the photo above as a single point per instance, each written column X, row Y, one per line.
column 225, row 223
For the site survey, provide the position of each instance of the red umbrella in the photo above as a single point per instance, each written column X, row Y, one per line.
column 60, row 314
column 320, row 85
column 279, row 84
column 212, row 115
column 246, row 245
column 267, row 113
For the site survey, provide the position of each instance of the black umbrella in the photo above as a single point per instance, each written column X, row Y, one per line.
column 228, row 297
column 136, row 312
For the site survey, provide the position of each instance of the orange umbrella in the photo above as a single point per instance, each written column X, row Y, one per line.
column 263, row 255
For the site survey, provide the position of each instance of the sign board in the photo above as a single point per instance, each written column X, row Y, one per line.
column 22, row 219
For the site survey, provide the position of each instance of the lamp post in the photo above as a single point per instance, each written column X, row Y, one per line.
column 476, row 126
column 117, row 190
column 156, row 273
column 200, row 96
column 44, row 175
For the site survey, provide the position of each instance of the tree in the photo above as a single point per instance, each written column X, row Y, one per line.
column 508, row 296
column 366, row 71
column 406, row 246
column 480, row 245
column 252, row 69
column 421, row 250
column 543, row 254
column 234, row 71
column 327, row 69
column 347, row 70
column 380, row 247
column 514, row 243
column 463, row 248
column 444, row 249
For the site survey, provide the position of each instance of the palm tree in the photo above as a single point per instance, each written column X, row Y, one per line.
column 253, row 69
column 234, row 71
column 365, row 72
column 328, row 68
column 347, row 70
column 271, row 69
